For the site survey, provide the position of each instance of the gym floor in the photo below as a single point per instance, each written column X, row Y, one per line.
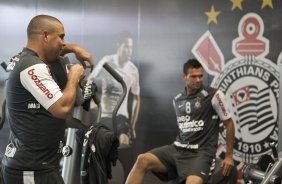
column 118, row 176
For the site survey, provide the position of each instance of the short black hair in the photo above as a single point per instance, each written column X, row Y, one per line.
column 191, row 63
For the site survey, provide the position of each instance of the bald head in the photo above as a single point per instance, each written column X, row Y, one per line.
column 46, row 37
column 40, row 23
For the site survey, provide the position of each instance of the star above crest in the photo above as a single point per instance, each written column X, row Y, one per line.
column 266, row 3
column 212, row 15
column 236, row 4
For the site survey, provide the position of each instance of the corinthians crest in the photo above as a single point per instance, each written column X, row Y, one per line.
column 250, row 83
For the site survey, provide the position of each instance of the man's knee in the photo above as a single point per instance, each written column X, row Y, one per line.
column 194, row 179
column 143, row 161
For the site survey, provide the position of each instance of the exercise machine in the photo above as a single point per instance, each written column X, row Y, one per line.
column 268, row 170
column 74, row 154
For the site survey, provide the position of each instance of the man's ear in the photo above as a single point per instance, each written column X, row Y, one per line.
column 184, row 77
column 45, row 35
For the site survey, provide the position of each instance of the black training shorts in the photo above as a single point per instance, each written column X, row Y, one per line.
column 12, row 176
column 182, row 162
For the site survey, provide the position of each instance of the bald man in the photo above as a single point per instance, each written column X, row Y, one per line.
column 37, row 107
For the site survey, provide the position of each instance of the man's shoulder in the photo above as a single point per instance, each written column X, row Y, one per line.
column 30, row 59
column 105, row 59
column 22, row 61
column 211, row 92
column 132, row 66
column 179, row 96
column 109, row 58
column 208, row 90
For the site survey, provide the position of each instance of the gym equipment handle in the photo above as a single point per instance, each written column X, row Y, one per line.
column 121, row 81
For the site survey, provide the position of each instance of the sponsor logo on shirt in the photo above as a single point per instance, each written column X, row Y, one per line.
column 33, row 105
column 38, row 82
column 189, row 126
column 186, row 146
column 221, row 104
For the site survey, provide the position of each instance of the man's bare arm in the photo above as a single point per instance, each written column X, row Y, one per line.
column 228, row 162
column 135, row 113
column 62, row 107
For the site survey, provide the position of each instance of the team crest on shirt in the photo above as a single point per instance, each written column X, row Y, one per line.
column 250, row 83
column 197, row 103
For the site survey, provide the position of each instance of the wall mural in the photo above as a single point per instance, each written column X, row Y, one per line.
column 237, row 41
column 251, row 84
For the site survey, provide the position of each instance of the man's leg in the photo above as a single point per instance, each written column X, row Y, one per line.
column 123, row 130
column 10, row 176
column 124, row 139
column 144, row 163
column 202, row 166
column 52, row 177
column 193, row 179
